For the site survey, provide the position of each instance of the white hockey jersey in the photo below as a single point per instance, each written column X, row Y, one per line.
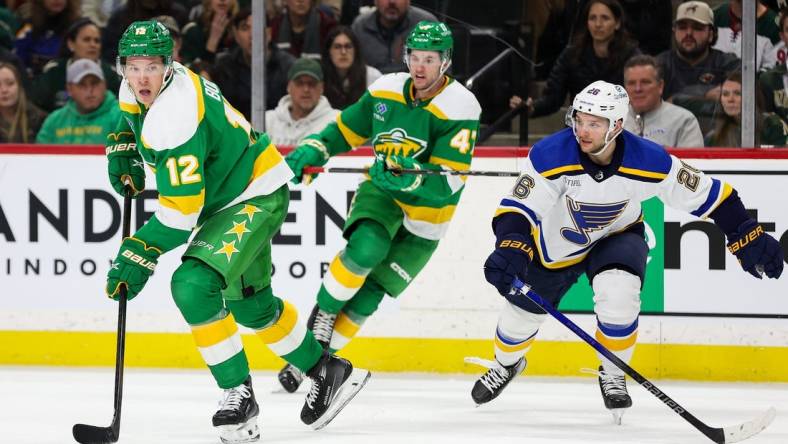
column 572, row 203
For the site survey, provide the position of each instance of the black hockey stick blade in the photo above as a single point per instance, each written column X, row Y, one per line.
column 88, row 434
column 724, row 435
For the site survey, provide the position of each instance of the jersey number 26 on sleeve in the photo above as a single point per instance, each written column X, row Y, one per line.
column 186, row 175
column 462, row 140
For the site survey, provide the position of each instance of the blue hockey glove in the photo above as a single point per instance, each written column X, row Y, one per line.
column 756, row 250
column 513, row 253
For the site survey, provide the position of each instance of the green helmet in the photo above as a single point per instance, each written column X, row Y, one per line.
column 146, row 38
column 430, row 36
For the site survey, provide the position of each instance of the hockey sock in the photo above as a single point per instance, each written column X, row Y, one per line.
column 355, row 313
column 620, row 339
column 288, row 337
column 220, row 345
column 515, row 333
column 345, row 328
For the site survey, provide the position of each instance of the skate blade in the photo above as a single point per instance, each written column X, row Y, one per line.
column 239, row 433
column 617, row 415
column 349, row 389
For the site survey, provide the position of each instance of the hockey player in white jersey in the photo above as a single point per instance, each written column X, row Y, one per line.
column 576, row 209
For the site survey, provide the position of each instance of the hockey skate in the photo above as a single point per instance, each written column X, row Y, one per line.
column 614, row 393
column 321, row 324
column 492, row 383
column 236, row 418
column 334, row 383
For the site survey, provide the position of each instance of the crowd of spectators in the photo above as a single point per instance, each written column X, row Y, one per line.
column 679, row 61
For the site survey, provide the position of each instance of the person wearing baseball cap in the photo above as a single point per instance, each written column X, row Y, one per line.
column 693, row 69
column 304, row 110
column 89, row 114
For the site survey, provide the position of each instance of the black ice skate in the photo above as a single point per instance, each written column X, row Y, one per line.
column 321, row 324
column 334, row 383
column 492, row 383
column 236, row 418
column 614, row 393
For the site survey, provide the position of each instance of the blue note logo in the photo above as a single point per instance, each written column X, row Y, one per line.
column 590, row 217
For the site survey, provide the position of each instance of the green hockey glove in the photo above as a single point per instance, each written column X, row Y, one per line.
column 384, row 173
column 125, row 166
column 311, row 152
column 132, row 268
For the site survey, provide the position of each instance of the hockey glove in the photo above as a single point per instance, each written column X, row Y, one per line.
column 132, row 268
column 510, row 259
column 756, row 250
column 310, row 152
column 385, row 174
column 125, row 166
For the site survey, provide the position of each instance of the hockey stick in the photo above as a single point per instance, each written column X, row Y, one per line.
column 722, row 435
column 88, row 434
column 316, row 170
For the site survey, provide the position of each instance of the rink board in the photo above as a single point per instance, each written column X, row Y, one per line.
column 59, row 228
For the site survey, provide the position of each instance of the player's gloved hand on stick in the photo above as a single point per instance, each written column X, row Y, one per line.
column 513, row 253
column 126, row 167
column 384, row 173
column 132, row 267
column 310, row 152
column 756, row 249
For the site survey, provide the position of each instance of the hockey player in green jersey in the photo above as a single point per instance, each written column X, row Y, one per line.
column 227, row 184
column 417, row 120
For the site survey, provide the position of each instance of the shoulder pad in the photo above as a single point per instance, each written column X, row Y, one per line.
column 555, row 154
column 455, row 102
column 644, row 158
column 176, row 114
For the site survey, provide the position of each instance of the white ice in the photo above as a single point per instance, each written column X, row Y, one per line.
column 40, row 405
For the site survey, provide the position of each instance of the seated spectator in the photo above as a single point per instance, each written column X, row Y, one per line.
column 233, row 70
column 772, row 83
column 20, row 119
column 9, row 25
column 99, row 10
column 779, row 51
column 694, row 70
column 598, row 52
column 83, row 41
column 728, row 15
column 133, row 11
column 39, row 39
column 304, row 110
column 302, row 29
column 347, row 76
column 210, row 33
column 729, row 38
column 726, row 132
column 91, row 113
column 651, row 117
column 382, row 33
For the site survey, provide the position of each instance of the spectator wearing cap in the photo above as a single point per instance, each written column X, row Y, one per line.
column 382, row 32
column 694, row 70
column 302, row 29
column 89, row 115
column 233, row 69
column 83, row 41
column 304, row 110
column 209, row 34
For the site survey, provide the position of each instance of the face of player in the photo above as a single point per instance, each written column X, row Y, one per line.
column 602, row 24
column 645, row 92
column 731, row 98
column 692, row 38
column 425, row 70
column 9, row 89
column 590, row 131
column 146, row 76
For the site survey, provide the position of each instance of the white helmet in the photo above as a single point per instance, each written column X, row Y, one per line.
column 601, row 99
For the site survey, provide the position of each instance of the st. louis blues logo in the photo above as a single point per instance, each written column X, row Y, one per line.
column 590, row 217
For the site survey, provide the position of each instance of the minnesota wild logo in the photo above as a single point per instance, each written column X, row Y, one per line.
column 398, row 142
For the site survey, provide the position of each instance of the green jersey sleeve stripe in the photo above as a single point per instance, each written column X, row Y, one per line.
column 390, row 95
column 457, row 166
column 180, row 212
column 350, row 136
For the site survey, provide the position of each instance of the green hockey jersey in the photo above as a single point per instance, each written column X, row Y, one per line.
column 203, row 152
column 439, row 132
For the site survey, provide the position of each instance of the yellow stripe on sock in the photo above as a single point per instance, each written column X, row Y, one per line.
column 215, row 332
column 512, row 348
column 345, row 326
column 344, row 276
column 616, row 344
column 283, row 326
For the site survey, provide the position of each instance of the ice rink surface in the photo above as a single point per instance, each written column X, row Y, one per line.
column 40, row 405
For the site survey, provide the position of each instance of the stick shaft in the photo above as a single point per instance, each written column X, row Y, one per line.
column 316, row 170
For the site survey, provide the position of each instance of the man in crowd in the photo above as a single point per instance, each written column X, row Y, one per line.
column 650, row 116
column 304, row 110
column 89, row 115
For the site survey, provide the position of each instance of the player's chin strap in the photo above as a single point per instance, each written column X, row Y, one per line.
column 608, row 144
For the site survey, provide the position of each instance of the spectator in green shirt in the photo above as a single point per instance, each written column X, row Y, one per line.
column 89, row 115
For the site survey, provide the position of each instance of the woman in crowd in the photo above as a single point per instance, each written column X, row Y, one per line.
column 83, row 41
column 598, row 52
column 39, row 39
column 20, row 120
column 207, row 36
column 346, row 74
column 770, row 130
